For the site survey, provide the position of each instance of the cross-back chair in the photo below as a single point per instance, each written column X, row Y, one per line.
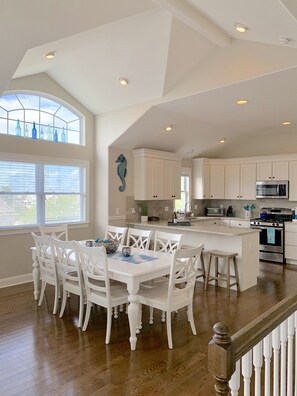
column 59, row 231
column 179, row 290
column 139, row 238
column 118, row 233
column 48, row 267
column 70, row 273
column 94, row 266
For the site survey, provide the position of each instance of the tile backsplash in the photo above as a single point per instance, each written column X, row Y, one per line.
column 157, row 208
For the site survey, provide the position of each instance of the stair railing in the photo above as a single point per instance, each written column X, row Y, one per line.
column 237, row 360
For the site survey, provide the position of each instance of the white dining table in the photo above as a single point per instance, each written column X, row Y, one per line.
column 132, row 274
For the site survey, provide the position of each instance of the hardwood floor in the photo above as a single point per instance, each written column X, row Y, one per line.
column 41, row 354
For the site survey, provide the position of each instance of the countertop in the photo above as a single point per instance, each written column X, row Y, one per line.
column 202, row 228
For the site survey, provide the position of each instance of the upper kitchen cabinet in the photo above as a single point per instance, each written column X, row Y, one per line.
column 293, row 181
column 201, row 174
column 217, row 182
column 156, row 175
column 274, row 170
column 240, row 181
column 172, row 186
column 208, row 179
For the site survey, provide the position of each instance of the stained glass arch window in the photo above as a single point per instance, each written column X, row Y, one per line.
column 40, row 117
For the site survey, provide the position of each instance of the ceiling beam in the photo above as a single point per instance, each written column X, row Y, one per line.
column 197, row 21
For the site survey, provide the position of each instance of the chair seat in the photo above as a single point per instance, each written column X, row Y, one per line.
column 158, row 297
column 118, row 295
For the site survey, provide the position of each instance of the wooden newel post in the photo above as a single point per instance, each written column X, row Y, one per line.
column 221, row 358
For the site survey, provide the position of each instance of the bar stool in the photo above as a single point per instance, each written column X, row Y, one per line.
column 227, row 256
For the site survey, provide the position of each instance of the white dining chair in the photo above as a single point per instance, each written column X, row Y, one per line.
column 139, row 239
column 167, row 242
column 48, row 267
column 70, row 272
column 94, row 266
column 59, row 231
column 117, row 233
column 179, row 291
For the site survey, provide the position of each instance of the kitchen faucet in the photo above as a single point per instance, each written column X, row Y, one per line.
column 190, row 208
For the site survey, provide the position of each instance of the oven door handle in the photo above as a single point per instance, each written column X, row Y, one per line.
column 265, row 228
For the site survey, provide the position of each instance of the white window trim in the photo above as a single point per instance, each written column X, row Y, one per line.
column 55, row 161
column 62, row 103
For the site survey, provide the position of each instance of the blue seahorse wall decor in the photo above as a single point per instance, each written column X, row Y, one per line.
column 122, row 171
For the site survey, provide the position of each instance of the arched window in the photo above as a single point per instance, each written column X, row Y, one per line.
column 37, row 117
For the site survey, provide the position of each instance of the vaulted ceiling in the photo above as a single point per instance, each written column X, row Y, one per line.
column 183, row 58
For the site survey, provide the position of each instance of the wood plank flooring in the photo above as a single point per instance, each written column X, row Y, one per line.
column 42, row 354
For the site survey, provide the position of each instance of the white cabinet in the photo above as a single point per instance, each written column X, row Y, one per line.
column 201, row 173
column 217, row 183
column 275, row 170
column 156, row 175
column 172, row 171
column 208, row 180
column 291, row 242
column 240, row 181
column 293, row 181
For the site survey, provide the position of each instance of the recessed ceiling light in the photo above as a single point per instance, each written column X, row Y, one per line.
column 222, row 141
column 168, row 128
column 286, row 123
column 123, row 81
column 241, row 28
column 242, row 101
column 50, row 55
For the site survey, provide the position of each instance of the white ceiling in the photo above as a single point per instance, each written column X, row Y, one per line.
column 181, row 56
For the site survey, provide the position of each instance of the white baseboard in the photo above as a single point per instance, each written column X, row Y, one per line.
column 16, row 280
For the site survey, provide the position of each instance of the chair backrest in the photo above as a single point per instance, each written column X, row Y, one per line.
column 44, row 249
column 139, row 238
column 166, row 242
column 183, row 271
column 93, row 262
column 59, row 231
column 67, row 261
column 117, row 233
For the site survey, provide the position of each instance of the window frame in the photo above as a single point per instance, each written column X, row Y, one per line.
column 59, row 101
column 6, row 230
column 186, row 171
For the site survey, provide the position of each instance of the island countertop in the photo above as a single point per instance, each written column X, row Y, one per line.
column 243, row 241
column 199, row 228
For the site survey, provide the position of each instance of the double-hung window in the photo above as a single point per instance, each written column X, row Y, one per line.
column 43, row 192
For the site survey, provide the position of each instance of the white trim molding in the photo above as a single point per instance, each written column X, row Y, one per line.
column 16, row 280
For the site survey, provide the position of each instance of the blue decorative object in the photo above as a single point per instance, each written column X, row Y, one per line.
column 271, row 235
column 34, row 131
column 122, row 171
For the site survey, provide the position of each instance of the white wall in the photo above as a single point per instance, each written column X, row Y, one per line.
column 15, row 261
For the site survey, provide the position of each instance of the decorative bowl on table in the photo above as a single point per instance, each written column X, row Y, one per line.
column 111, row 245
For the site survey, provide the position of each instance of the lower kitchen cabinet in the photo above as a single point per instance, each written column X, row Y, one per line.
column 291, row 242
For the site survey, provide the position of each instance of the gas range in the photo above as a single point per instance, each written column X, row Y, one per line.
column 271, row 237
column 272, row 217
column 267, row 223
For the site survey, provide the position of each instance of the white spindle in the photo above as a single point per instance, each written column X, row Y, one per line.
column 246, row 369
column 257, row 361
column 276, row 348
column 290, row 355
column 283, row 341
column 234, row 382
column 267, row 352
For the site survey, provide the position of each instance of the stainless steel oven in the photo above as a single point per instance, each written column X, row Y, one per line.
column 271, row 236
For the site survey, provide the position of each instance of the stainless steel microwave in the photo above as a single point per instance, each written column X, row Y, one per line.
column 272, row 189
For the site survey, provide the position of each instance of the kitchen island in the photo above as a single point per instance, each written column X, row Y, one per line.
column 243, row 241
